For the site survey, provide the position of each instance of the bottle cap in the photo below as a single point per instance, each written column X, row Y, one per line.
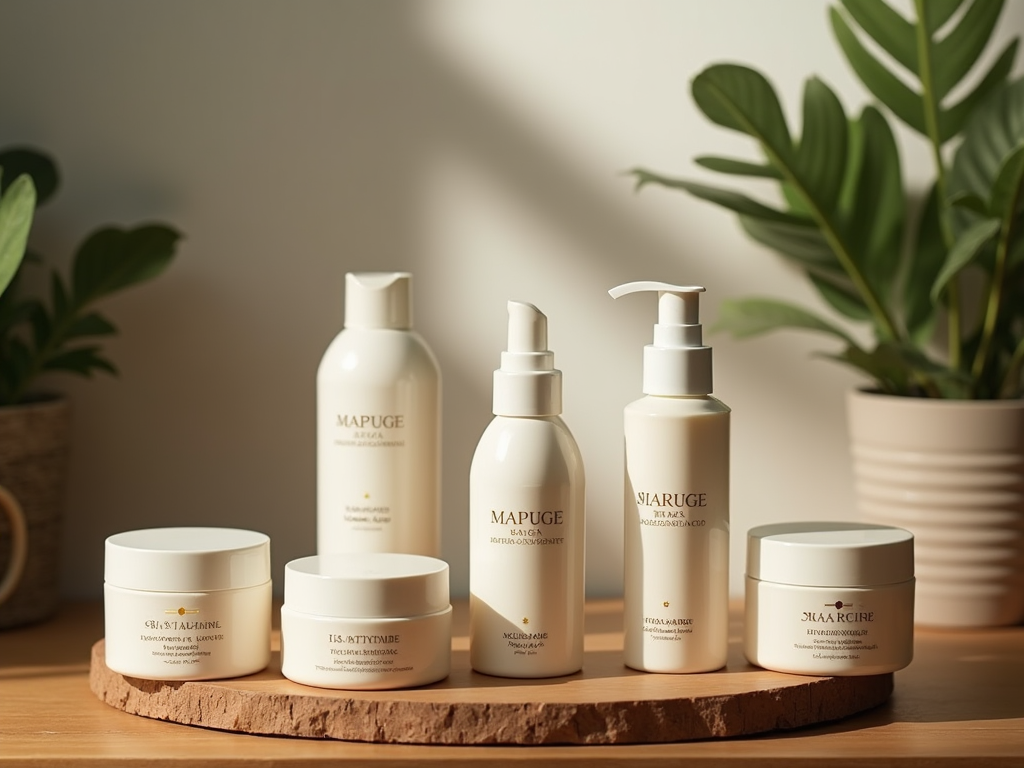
column 677, row 363
column 378, row 300
column 527, row 384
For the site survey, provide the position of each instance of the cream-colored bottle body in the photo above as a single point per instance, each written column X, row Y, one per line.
column 676, row 534
column 526, row 528
column 379, row 444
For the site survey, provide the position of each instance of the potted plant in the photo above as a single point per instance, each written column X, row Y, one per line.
column 938, row 281
column 41, row 333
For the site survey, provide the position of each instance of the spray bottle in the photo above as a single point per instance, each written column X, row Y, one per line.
column 676, row 555
column 526, row 508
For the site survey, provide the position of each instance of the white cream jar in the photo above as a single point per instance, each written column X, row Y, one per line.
column 187, row 603
column 370, row 621
column 829, row 598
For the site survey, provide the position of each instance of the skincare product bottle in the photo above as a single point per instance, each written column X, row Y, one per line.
column 526, row 518
column 378, row 427
column 676, row 498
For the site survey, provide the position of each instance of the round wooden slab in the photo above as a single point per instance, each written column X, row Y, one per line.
column 606, row 703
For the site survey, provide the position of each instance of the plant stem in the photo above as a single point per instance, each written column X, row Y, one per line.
column 1009, row 388
column 931, row 121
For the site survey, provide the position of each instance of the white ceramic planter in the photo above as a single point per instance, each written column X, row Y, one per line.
column 952, row 473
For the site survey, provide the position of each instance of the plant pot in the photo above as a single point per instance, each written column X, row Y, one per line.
column 34, row 449
column 952, row 473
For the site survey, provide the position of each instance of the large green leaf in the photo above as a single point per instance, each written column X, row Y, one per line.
column 821, row 154
column 956, row 53
column 17, row 206
column 903, row 101
column 953, row 119
column 754, row 316
column 874, row 225
column 802, row 244
column 938, row 12
column 995, row 131
column 112, row 259
column 742, row 99
column 888, row 28
column 737, row 167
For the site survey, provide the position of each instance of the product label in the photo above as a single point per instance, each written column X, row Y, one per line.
column 364, row 654
column 184, row 640
column 672, row 510
column 534, row 528
column 839, row 632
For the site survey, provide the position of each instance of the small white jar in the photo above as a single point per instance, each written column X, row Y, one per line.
column 371, row 621
column 829, row 598
column 187, row 603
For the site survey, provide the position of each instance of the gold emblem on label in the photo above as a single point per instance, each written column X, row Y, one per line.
column 665, row 604
column 182, row 611
column 525, row 620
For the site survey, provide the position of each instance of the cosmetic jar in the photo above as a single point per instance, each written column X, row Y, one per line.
column 829, row 598
column 187, row 603
column 368, row 621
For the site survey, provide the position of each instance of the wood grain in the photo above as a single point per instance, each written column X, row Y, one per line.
column 958, row 705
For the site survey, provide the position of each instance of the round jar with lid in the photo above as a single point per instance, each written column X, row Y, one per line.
column 187, row 603
column 829, row 598
column 370, row 621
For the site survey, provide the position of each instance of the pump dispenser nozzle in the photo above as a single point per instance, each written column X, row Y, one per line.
column 677, row 364
column 527, row 384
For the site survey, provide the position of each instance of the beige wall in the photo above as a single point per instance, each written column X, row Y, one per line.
column 478, row 144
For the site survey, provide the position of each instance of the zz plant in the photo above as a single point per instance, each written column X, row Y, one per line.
column 61, row 332
column 939, row 281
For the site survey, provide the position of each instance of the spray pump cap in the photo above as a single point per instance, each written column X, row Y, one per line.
column 378, row 300
column 527, row 384
column 677, row 363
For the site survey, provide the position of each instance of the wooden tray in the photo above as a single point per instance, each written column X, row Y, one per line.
column 604, row 704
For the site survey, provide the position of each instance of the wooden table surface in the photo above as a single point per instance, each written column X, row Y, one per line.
column 961, row 703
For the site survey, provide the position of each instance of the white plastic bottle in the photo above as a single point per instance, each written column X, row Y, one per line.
column 526, row 518
column 378, row 427
column 676, row 498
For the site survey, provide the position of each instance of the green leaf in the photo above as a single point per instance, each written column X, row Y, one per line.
column 886, row 27
column 800, row 243
column 969, row 202
column 17, row 206
column 737, row 167
column 952, row 120
column 938, row 12
column 734, row 201
column 963, row 252
column 927, row 258
column 887, row 87
column 994, row 132
column 751, row 317
column 40, row 168
column 821, row 154
column 956, row 54
column 112, row 259
column 81, row 360
column 899, row 370
column 1006, row 191
column 842, row 297
column 874, row 228
column 742, row 99
column 92, row 324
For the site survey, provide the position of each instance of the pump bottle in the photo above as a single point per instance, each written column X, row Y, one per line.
column 378, row 427
column 526, row 508
column 676, row 520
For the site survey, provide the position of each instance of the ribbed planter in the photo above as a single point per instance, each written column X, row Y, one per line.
column 952, row 473
column 34, row 449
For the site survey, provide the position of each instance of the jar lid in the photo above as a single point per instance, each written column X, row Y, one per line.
column 366, row 586
column 187, row 559
column 830, row 554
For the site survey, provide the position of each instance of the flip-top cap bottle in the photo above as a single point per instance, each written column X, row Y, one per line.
column 676, row 506
column 526, row 508
column 378, row 427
